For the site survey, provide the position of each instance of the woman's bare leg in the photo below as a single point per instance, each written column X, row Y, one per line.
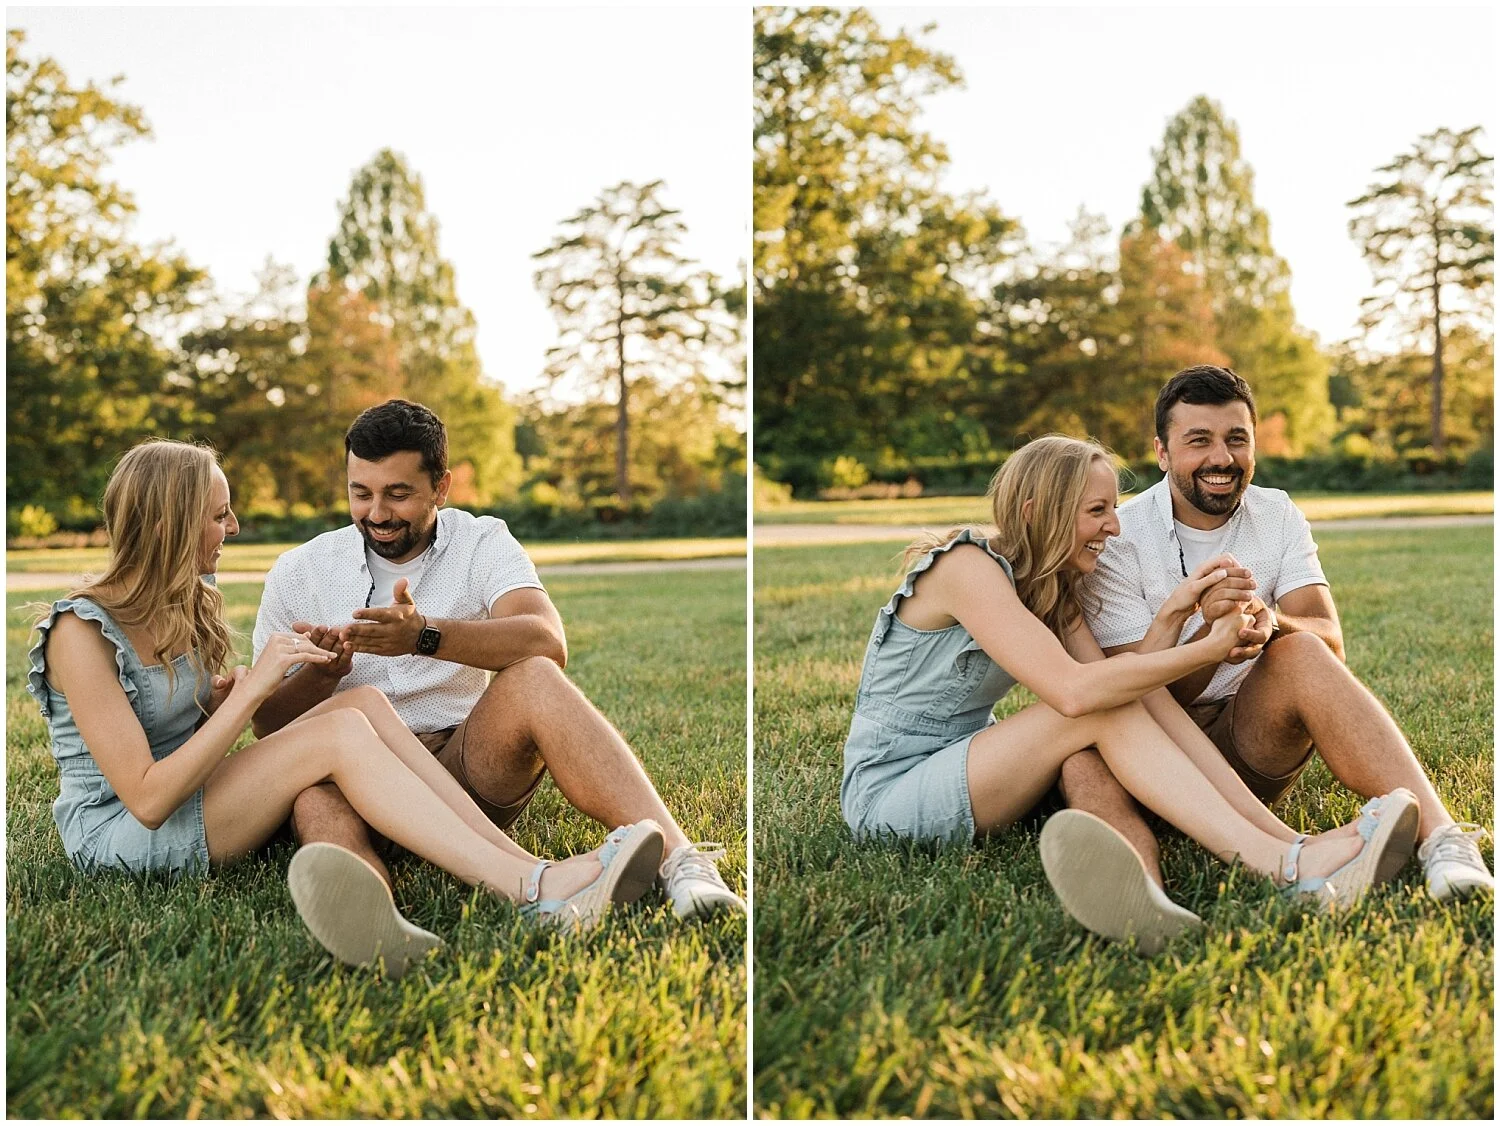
column 251, row 794
column 1013, row 763
column 372, row 703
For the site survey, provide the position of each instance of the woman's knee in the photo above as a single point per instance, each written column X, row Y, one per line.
column 348, row 731
column 367, row 699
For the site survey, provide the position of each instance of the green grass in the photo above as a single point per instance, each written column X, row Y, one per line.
column 959, row 510
column 131, row 997
column 260, row 556
column 900, row 980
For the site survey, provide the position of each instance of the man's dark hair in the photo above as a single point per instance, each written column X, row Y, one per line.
column 398, row 425
column 1204, row 385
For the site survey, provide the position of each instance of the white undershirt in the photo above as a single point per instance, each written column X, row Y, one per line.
column 1199, row 546
column 384, row 574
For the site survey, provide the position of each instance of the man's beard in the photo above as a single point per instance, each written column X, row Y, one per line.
column 1212, row 504
column 407, row 541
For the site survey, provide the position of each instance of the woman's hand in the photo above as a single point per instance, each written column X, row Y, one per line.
column 282, row 651
column 1224, row 634
column 1221, row 569
column 223, row 685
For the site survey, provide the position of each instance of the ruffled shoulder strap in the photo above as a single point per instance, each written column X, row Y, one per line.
column 968, row 535
column 89, row 611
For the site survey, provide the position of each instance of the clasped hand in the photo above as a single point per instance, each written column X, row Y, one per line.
column 282, row 652
column 1234, row 593
column 387, row 631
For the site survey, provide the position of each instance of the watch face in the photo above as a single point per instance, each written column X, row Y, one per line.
column 427, row 641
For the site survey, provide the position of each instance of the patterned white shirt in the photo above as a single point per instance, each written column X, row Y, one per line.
column 473, row 561
column 1139, row 568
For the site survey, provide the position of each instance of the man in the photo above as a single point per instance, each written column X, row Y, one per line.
column 1286, row 690
column 443, row 611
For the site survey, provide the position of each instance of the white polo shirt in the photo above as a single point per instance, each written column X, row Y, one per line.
column 472, row 562
column 1139, row 568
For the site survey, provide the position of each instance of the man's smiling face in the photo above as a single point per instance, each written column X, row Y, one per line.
column 1209, row 459
column 395, row 504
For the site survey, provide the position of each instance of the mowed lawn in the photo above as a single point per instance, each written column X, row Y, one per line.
column 897, row 980
column 209, row 998
column 943, row 511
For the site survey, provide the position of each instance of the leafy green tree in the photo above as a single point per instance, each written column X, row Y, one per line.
column 386, row 249
column 86, row 310
column 875, row 330
column 1388, row 396
column 1201, row 197
column 683, row 445
column 629, row 307
column 275, row 384
column 1090, row 331
column 1426, row 226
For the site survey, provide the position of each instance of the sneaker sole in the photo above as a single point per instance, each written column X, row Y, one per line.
column 1389, row 848
column 349, row 910
column 1403, row 840
column 629, row 876
column 1102, row 883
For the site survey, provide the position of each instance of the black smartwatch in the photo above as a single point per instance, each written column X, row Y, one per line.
column 428, row 640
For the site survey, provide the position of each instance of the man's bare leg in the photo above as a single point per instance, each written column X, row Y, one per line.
column 322, row 814
column 532, row 716
column 1300, row 694
column 1087, row 784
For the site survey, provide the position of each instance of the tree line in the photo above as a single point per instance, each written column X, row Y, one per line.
column 108, row 342
column 896, row 322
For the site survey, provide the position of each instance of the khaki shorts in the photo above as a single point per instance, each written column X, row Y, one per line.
column 1216, row 718
column 447, row 747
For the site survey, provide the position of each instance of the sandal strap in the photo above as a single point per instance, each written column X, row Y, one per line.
column 534, row 881
column 1293, row 854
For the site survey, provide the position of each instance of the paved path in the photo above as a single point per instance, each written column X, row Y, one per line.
column 797, row 535
column 44, row 580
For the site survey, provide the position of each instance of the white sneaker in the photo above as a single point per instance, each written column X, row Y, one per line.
column 348, row 908
column 1451, row 861
column 691, row 880
column 1101, row 881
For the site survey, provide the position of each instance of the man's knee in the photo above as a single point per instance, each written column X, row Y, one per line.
column 530, row 672
column 1296, row 655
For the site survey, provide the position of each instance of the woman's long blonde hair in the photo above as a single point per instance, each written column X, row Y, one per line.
column 1051, row 472
column 154, row 508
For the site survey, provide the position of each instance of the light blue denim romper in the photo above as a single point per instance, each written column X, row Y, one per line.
column 923, row 695
column 97, row 830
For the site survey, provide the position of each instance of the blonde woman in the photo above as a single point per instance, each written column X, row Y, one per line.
column 130, row 675
column 925, row 758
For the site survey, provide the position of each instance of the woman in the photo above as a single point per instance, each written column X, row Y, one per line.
column 925, row 758
column 128, row 675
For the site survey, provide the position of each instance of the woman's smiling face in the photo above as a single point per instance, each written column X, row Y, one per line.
column 1096, row 517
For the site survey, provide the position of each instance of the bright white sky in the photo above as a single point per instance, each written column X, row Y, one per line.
column 1062, row 108
column 514, row 119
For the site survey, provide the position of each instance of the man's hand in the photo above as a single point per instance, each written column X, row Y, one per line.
column 1230, row 595
column 1253, row 638
column 327, row 637
column 387, row 631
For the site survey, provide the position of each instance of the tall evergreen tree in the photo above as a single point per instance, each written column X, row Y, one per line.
column 386, row 248
column 87, row 311
column 1201, row 197
column 628, row 304
column 1426, row 226
column 874, row 328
